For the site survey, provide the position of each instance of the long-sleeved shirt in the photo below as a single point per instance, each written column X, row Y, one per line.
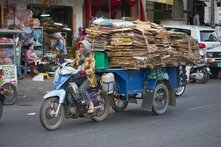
column 88, row 66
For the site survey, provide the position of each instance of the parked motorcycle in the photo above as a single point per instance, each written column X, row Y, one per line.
column 65, row 101
column 198, row 73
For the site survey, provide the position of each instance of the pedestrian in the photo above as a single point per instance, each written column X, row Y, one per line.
column 60, row 46
column 81, row 34
column 190, row 19
column 85, row 63
column 31, row 59
column 196, row 19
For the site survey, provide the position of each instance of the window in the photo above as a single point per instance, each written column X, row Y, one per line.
column 208, row 36
column 188, row 32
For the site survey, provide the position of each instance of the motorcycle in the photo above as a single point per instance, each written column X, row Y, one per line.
column 65, row 100
column 198, row 73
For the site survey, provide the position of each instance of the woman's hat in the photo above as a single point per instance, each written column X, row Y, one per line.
column 57, row 35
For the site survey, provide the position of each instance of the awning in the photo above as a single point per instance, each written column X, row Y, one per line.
column 170, row 2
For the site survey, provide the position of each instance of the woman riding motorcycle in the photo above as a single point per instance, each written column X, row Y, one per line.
column 85, row 63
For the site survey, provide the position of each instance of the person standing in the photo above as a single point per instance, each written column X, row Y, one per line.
column 196, row 19
column 60, row 46
column 190, row 19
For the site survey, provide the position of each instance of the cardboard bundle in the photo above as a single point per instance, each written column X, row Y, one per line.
column 143, row 45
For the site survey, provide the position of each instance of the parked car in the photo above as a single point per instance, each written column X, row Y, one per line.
column 206, row 37
column 213, row 58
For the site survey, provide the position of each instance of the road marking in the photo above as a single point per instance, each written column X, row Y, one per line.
column 199, row 107
column 31, row 114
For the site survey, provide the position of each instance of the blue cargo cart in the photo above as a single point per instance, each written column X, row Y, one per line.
column 156, row 87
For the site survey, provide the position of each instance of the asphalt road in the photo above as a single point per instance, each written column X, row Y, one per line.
column 194, row 122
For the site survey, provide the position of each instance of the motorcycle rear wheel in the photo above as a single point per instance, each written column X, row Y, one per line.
column 47, row 114
column 205, row 77
column 10, row 93
column 102, row 114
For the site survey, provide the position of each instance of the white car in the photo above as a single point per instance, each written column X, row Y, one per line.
column 213, row 58
column 206, row 37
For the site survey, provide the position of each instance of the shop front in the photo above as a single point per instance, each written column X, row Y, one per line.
column 114, row 9
column 38, row 20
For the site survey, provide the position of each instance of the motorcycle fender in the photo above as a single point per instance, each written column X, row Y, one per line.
column 59, row 93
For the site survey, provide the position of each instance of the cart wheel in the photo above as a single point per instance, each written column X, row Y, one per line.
column 160, row 99
column 120, row 104
column 10, row 93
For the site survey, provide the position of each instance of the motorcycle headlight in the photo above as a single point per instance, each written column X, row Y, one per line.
column 209, row 55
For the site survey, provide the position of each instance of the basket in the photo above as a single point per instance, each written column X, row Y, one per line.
column 101, row 60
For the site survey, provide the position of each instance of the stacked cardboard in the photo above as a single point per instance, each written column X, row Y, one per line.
column 98, row 36
column 143, row 45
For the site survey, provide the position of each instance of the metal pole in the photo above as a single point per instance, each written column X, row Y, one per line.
column 139, row 7
column 212, row 13
column 1, row 4
column 109, row 9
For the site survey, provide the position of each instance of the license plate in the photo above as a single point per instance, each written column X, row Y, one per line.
column 218, row 64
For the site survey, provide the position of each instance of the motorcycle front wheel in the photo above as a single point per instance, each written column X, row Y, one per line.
column 48, row 118
column 10, row 93
column 180, row 90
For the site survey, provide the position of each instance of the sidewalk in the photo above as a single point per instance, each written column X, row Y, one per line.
column 29, row 90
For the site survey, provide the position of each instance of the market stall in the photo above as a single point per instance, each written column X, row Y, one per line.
column 8, row 56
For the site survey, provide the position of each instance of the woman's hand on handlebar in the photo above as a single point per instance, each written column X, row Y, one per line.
column 82, row 72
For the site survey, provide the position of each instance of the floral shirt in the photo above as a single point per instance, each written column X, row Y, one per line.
column 88, row 66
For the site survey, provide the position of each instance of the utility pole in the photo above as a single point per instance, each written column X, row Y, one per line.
column 212, row 18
